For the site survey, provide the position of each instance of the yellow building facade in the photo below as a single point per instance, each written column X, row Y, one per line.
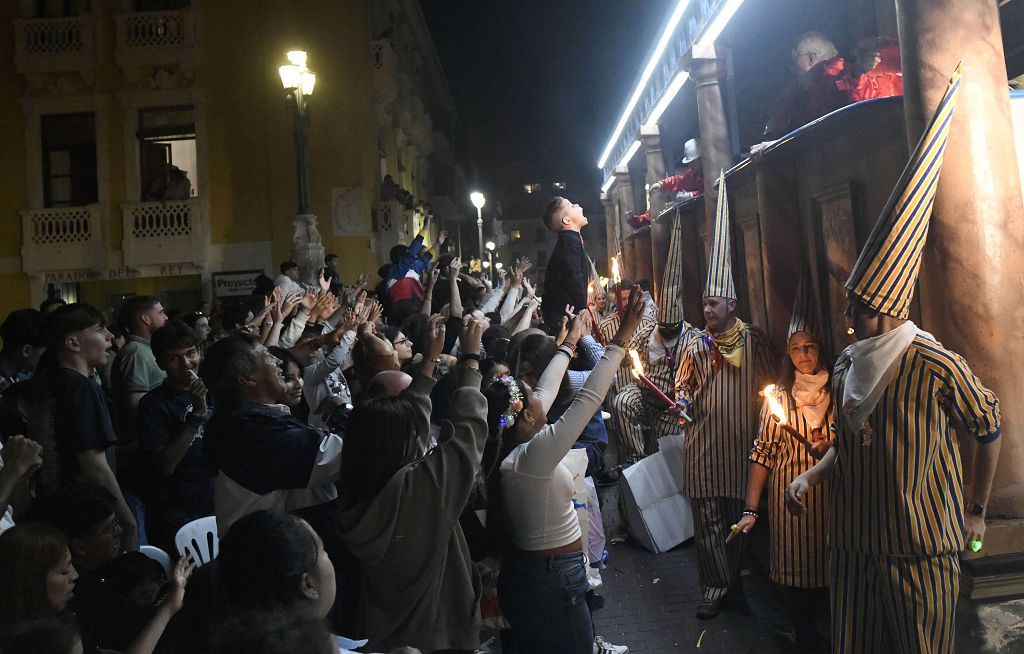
column 148, row 145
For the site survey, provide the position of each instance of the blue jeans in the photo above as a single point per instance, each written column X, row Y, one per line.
column 544, row 600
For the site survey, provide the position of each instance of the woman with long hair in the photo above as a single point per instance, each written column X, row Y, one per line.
column 799, row 551
column 400, row 508
column 37, row 578
column 543, row 582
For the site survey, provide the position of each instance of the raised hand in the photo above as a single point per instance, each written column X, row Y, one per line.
column 442, row 237
column 632, row 316
column 291, row 301
column 179, row 579
column 472, row 332
column 524, row 265
column 307, row 300
column 323, row 280
column 375, row 312
column 434, row 337
column 528, row 288
column 574, row 328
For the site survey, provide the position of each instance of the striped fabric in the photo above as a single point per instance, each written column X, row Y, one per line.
column 670, row 304
column 607, row 328
column 724, row 405
column 639, row 425
column 805, row 311
column 897, row 604
column 885, row 274
column 632, row 415
column 719, row 282
column 799, row 546
column 718, row 562
column 902, row 494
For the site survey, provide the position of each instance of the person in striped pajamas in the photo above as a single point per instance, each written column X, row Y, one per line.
column 900, row 514
column 798, row 547
column 717, row 382
column 630, row 445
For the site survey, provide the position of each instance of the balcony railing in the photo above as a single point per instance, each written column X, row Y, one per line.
column 62, row 238
column 164, row 232
column 155, row 37
column 54, row 44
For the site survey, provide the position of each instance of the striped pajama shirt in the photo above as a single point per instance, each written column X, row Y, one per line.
column 897, row 504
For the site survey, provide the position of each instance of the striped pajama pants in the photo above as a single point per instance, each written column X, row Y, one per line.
column 899, row 604
column 718, row 562
column 631, row 415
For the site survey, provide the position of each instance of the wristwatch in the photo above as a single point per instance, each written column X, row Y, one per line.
column 976, row 509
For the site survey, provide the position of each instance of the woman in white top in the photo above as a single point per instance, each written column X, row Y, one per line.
column 543, row 582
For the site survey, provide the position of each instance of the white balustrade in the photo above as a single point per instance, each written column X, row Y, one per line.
column 62, row 238
column 54, row 44
column 164, row 232
column 155, row 37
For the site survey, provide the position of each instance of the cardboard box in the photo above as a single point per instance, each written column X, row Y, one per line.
column 658, row 517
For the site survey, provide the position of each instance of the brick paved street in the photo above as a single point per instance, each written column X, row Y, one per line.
column 650, row 600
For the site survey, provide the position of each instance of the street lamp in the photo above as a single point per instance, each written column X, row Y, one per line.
column 307, row 246
column 298, row 81
column 477, row 198
column 490, row 257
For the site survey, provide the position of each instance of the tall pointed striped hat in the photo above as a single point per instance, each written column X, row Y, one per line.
column 805, row 311
column 885, row 275
column 670, row 304
column 719, row 282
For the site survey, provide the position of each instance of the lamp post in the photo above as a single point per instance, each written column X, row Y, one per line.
column 298, row 82
column 477, row 198
column 490, row 258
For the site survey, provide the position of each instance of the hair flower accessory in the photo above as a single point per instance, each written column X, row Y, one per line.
column 511, row 413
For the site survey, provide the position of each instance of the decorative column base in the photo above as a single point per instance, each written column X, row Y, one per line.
column 307, row 248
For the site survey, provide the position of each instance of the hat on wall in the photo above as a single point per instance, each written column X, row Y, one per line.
column 719, row 282
column 885, row 275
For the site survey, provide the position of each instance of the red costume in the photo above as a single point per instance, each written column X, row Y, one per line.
column 692, row 181
column 885, row 79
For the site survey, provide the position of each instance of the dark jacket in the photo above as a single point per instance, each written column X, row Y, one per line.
column 566, row 279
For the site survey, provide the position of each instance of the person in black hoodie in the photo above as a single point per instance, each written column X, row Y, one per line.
column 568, row 272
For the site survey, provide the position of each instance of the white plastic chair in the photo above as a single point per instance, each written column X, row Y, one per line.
column 158, row 555
column 200, row 537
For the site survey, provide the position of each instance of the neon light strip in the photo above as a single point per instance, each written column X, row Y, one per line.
column 666, row 98
column 652, row 63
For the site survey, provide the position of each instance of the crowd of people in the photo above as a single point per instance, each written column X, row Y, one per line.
column 380, row 462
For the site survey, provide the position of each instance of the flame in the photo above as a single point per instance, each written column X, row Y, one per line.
column 771, row 393
column 615, row 270
column 638, row 366
column 604, row 282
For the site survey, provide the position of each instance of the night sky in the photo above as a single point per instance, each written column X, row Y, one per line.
column 539, row 84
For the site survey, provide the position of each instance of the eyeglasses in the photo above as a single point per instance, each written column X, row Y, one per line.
column 401, row 341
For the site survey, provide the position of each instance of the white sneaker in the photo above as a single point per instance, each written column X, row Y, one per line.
column 602, row 646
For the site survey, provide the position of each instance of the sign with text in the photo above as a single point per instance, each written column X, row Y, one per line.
column 235, row 282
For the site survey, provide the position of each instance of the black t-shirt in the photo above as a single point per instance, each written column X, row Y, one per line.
column 161, row 416
column 70, row 411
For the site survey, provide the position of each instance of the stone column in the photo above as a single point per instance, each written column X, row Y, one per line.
column 971, row 280
column 650, row 143
column 707, row 71
column 624, row 187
